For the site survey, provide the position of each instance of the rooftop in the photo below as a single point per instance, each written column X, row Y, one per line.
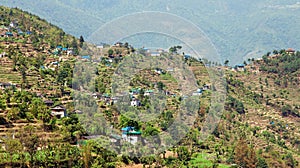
column 290, row 50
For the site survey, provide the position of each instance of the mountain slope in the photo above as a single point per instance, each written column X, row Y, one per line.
column 240, row 30
column 259, row 127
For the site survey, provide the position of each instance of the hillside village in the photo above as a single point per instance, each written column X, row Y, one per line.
column 259, row 127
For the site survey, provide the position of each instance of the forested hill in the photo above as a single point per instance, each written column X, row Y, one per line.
column 282, row 63
column 41, row 31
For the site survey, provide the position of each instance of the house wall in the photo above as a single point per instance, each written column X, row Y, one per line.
column 133, row 139
column 60, row 113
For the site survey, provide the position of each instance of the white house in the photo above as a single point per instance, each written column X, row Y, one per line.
column 133, row 139
column 59, row 111
column 135, row 103
column 96, row 95
column 170, row 69
column 198, row 92
column 240, row 67
column 118, row 44
column 13, row 24
column 155, row 54
column 129, row 134
column 70, row 52
column 158, row 71
column 114, row 100
column 290, row 51
column 148, row 92
column 3, row 54
column 100, row 46
column 6, row 85
column 206, row 87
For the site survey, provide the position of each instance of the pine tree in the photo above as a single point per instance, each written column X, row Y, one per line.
column 81, row 40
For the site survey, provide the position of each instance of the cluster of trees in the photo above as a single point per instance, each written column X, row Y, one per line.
column 287, row 110
column 235, row 104
column 174, row 49
column 285, row 64
column 65, row 74
column 25, row 106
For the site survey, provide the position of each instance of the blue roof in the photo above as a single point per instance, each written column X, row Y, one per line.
column 240, row 65
column 85, row 57
column 28, row 32
column 9, row 33
column 128, row 128
column 60, row 47
column 106, row 95
column 64, row 49
column 55, row 52
column 187, row 56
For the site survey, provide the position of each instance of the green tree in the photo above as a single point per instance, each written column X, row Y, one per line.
column 81, row 40
column 174, row 49
column 2, row 104
column 226, row 62
column 160, row 86
column 36, row 106
column 44, row 114
column 286, row 110
column 275, row 52
column 110, row 52
column 150, row 131
column 23, row 74
column 30, row 141
column 183, row 153
column 290, row 161
column 12, row 146
column 262, row 163
column 13, row 114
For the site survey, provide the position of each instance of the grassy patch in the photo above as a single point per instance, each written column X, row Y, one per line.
column 204, row 160
column 168, row 77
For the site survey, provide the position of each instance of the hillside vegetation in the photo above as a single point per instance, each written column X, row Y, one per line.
column 259, row 127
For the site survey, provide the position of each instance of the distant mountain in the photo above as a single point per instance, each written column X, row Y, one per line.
column 239, row 29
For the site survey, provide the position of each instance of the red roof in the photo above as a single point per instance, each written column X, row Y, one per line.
column 290, row 50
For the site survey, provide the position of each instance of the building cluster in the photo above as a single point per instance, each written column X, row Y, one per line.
column 60, row 50
column 13, row 30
